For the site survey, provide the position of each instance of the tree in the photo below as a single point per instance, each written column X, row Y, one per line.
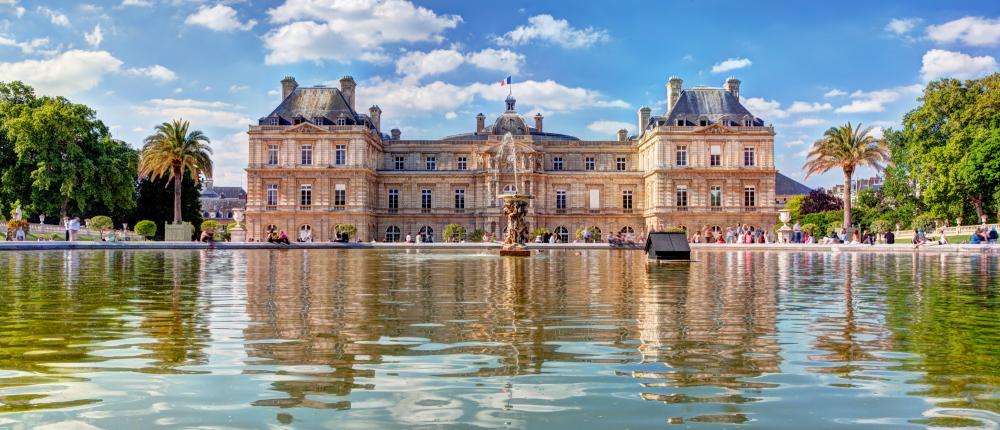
column 846, row 147
column 145, row 228
column 154, row 202
column 454, row 232
column 345, row 230
column 174, row 151
column 101, row 223
column 794, row 206
column 820, row 201
column 15, row 172
column 210, row 225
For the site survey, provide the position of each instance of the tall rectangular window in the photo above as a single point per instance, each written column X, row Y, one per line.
column 459, row 199
column 557, row 163
column 400, row 162
column 715, row 156
column 430, row 162
column 590, row 164
column 340, row 155
column 627, row 199
column 339, row 195
column 681, row 196
column 272, row 194
column 715, row 196
column 272, row 155
column 620, row 164
column 306, row 155
column 749, row 156
column 463, row 163
column 305, row 195
column 393, row 201
column 749, row 196
column 682, row 155
column 425, row 199
column 560, row 199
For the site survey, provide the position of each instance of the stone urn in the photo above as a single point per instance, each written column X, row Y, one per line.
column 515, row 208
column 238, row 233
column 785, row 232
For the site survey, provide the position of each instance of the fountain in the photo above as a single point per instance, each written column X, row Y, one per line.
column 515, row 202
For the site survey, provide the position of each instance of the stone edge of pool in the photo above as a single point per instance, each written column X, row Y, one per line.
column 42, row 246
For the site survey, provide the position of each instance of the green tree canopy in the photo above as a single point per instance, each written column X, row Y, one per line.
column 145, row 228
column 173, row 151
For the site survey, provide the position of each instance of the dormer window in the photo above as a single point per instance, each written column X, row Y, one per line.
column 318, row 120
column 341, row 121
column 703, row 122
column 271, row 121
column 680, row 123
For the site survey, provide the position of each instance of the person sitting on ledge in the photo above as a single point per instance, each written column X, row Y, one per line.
column 992, row 237
column 283, row 238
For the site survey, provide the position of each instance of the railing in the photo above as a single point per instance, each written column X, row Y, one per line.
column 51, row 228
column 337, row 208
column 271, row 207
column 965, row 230
column 626, row 210
column 681, row 208
column 460, row 210
column 392, row 211
column 305, row 207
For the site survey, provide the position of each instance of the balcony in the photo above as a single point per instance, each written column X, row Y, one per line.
column 716, row 209
column 337, row 208
column 271, row 207
column 392, row 211
column 681, row 208
column 626, row 210
column 749, row 208
column 305, row 207
column 425, row 210
column 460, row 210
column 561, row 211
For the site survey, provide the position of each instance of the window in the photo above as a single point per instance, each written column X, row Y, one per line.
column 620, row 164
column 557, row 163
column 562, row 233
column 715, row 155
column 425, row 199
column 749, row 157
column 392, row 234
column 715, row 196
column 305, row 196
column 431, row 162
column 703, row 122
column 272, row 155
column 682, row 155
column 749, row 196
column 306, row 155
column 393, row 201
column 681, row 196
column 340, row 155
column 400, row 162
column 459, row 199
column 560, row 199
column 318, row 120
column 680, row 122
column 463, row 163
column 340, row 196
column 341, row 121
column 627, row 199
column 272, row 194
column 595, row 199
column 589, row 164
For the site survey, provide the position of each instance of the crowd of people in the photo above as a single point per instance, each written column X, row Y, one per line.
column 745, row 233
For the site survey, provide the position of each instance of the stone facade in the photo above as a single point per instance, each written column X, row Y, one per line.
column 316, row 162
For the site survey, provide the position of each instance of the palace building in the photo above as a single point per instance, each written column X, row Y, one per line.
column 316, row 162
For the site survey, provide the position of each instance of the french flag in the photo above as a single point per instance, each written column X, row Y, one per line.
column 505, row 81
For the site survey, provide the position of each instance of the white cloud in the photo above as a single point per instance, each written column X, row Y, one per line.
column 794, row 143
column 156, row 72
column 67, row 73
column 25, row 47
column 938, row 63
column 497, row 59
column 57, row 18
column 237, row 88
column 95, row 37
column 450, row 115
column 558, row 31
column 902, row 26
column 834, row 93
column 219, row 18
column 419, row 64
column 201, row 113
column 767, row 109
column 971, row 30
column 804, row 107
column 875, row 101
column 273, row 93
column 345, row 30
column 809, row 122
column 138, row 3
column 731, row 64
column 609, row 128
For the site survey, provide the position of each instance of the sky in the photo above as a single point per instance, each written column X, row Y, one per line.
column 432, row 66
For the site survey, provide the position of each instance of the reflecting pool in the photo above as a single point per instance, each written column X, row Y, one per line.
column 563, row 339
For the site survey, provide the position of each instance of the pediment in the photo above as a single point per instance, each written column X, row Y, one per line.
column 305, row 127
column 519, row 147
column 714, row 129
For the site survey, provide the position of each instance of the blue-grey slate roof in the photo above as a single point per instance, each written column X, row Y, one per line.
column 783, row 185
column 311, row 103
column 714, row 105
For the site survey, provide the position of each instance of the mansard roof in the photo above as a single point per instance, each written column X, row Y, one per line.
column 713, row 105
column 309, row 104
column 785, row 186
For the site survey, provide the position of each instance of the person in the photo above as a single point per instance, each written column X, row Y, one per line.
column 890, row 238
column 74, row 228
column 975, row 239
column 729, row 235
column 586, row 235
column 696, row 238
column 409, row 238
column 66, row 226
column 552, row 238
column 992, row 238
column 19, row 233
column 797, row 233
column 207, row 236
column 538, row 239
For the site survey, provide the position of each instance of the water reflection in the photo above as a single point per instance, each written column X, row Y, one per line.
column 562, row 339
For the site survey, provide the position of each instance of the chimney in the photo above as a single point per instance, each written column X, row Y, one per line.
column 623, row 135
column 287, row 86
column 674, row 86
column 375, row 113
column 347, row 87
column 644, row 114
column 395, row 133
column 732, row 86
column 480, row 122
column 538, row 122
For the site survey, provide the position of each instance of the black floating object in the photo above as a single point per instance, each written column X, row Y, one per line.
column 667, row 246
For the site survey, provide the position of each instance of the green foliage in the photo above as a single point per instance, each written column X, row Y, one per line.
column 595, row 234
column 346, row 231
column 880, row 226
column 454, row 232
column 477, row 235
column 823, row 221
column 210, row 225
column 233, row 225
column 57, row 236
column 154, row 200
column 923, row 222
column 173, row 152
column 813, row 230
column 538, row 231
column 100, row 222
column 846, row 147
column 835, row 226
column 794, row 206
column 145, row 228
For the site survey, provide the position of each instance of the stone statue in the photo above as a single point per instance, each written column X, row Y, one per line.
column 515, row 203
column 517, row 232
column 505, row 159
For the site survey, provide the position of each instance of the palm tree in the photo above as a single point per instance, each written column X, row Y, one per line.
column 847, row 147
column 172, row 152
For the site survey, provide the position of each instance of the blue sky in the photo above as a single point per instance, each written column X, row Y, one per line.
column 431, row 66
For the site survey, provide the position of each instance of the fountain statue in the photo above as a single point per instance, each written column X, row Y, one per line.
column 515, row 202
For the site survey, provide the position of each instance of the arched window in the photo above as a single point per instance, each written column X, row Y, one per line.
column 426, row 234
column 305, row 233
column 392, row 234
column 627, row 230
column 716, row 229
column 229, row 214
column 562, row 234
column 596, row 234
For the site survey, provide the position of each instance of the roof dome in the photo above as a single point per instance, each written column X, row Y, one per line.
column 511, row 123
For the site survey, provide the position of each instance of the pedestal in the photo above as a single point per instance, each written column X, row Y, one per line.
column 181, row 232
column 515, row 252
column 238, row 235
column 515, row 207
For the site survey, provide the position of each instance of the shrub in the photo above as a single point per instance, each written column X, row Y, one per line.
column 100, row 222
column 835, row 226
column 345, row 230
column 880, row 226
column 145, row 228
column 233, row 225
column 595, row 234
column 477, row 235
column 454, row 232
column 813, row 230
column 210, row 225
column 539, row 231
column 57, row 236
column 923, row 222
